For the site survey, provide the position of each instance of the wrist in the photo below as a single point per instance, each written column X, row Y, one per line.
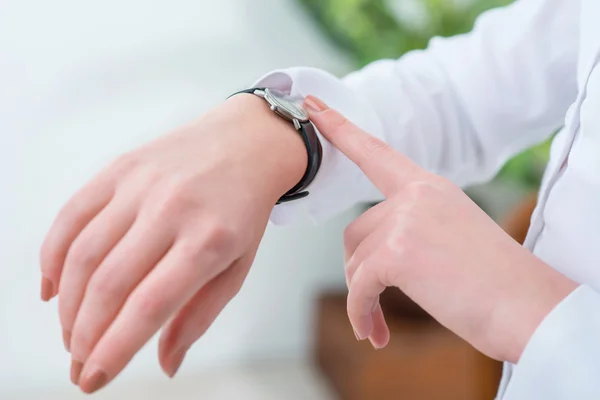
column 274, row 150
column 535, row 302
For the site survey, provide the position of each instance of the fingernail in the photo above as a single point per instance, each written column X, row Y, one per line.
column 357, row 337
column 373, row 344
column 47, row 289
column 314, row 104
column 177, row 361
column 67, row 340
column 93, row 381
column 76, row 368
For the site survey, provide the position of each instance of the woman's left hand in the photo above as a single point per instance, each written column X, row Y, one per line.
column 433, row 243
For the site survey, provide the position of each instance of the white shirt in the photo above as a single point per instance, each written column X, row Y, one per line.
column 461, row 108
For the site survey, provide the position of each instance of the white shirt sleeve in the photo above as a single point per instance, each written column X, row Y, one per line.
column 460, row 108
column 562, row 359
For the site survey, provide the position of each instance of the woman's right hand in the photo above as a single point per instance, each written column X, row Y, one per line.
column 166, row 235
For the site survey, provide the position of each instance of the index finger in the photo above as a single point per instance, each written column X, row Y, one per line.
column 388, row 169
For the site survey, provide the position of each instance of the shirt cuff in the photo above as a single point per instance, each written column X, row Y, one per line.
column 562, row 359
column 339, row 184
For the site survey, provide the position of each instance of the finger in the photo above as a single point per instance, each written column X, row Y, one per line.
column 380, row 336
column 85, row 254
column 386, row 168
column 142, row 247
column 194, row 319
column 362, row 238
column 178, row 276
column 363, row 298
column 354, row 236
column 361, row 227
column 358, row 231
column 364, row 250
column 71, row 220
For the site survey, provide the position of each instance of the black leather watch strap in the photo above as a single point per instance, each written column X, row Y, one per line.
column 313, row 150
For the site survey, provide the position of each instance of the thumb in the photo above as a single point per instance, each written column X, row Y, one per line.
column 386, row 168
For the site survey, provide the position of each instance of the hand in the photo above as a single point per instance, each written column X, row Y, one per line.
column 166, row 236
column 431, row 241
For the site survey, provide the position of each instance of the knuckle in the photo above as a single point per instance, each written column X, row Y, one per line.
column 151, row 307
column 144, row 176
column 165, row 208
column 236, row 287
column 441, row 182
column 105, row 288
column 69, row 213
column 221, row 238
column 81, row 254
column 404, row 218
column 351, row 307
column 375, row 147
column 391, row 275
column 418, row 188
column 422, row 190
column 337, row 122
column 173, row 201
column 394, row 242
column 237, row 276
column 125, row 162
column 399, row 250
column 433, row 183
column 190, row 250
column 350, row 234
column 82, row 342
column 368, row 267
column 398, row 244
column 427, row 197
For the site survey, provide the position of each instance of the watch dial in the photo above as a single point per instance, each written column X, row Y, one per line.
column 288, row 104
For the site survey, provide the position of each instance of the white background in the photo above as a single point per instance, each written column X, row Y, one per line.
column 81, row 82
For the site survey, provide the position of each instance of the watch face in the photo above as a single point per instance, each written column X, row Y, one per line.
column 288, row 106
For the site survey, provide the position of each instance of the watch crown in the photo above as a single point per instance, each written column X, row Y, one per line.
column 273, row 107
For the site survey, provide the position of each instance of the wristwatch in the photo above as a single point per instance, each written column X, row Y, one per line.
column 290, row 108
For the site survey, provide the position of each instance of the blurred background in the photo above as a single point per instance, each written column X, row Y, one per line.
column 81, row 82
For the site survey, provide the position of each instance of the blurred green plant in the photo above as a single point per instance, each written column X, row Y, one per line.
column 369, row 30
